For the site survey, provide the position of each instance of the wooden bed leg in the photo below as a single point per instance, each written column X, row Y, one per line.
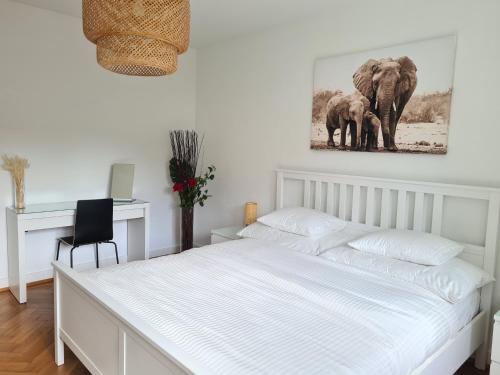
column 58, row 343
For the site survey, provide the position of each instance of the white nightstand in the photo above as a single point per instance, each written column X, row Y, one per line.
column 495, row 347
column 225, row 234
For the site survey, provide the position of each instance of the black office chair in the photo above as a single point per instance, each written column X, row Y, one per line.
column 93, row 225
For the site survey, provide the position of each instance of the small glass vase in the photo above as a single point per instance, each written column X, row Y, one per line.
column 20, row 195
column 187, row 228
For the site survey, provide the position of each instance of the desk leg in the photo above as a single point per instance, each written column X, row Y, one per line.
column 138, row 238
column 16, row 255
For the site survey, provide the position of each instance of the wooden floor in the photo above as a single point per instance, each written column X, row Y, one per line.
column 27, row 337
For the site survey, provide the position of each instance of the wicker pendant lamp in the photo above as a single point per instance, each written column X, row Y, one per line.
column 138, row 37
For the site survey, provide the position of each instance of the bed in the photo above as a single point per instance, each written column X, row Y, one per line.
column 248, row 306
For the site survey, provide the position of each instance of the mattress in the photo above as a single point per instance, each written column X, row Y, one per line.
column 251, row 307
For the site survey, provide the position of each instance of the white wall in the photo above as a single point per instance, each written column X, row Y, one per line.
column 73, row 120
column 254, row 100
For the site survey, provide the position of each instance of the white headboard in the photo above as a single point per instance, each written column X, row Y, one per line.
column 420, row 206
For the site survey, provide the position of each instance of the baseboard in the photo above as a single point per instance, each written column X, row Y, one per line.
column 41, row 282
column 4, row 284
column 33, row 283
column 39, row 275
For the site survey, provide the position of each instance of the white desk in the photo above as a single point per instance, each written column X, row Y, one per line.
column 58, row 215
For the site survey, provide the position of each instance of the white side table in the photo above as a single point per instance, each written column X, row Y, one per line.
column 495, row 347
column 225, row 234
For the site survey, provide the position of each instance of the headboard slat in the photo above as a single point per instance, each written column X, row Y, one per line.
column 418, row 218
column 356, row 197
column 370, row 206
column 343, row 201
column 307, row 193
column 317, row 195
column 330, row 197
column 437, row 214
column 385, row 209
column 401, row 216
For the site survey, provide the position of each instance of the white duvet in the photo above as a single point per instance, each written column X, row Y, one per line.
column 248, row 307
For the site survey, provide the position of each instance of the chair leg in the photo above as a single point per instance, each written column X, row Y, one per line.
column 97, row 255
column 71, row 256
column 116, row 251
column 58, row 248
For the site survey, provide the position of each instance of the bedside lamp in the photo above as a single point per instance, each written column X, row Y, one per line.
column 250, row 213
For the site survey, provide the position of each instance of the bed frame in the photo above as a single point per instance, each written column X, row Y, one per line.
column 109, row 339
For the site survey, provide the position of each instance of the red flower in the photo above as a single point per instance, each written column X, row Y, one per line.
column 192, row 182
column 178, row 187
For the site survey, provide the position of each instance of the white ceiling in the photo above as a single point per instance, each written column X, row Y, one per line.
column 215, row 20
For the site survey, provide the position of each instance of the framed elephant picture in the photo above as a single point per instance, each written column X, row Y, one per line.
column 395, row 99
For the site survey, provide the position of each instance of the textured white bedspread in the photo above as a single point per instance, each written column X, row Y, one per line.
column 249, row 307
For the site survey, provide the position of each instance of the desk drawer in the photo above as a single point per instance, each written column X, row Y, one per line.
column 135, row 213
column 48, row 222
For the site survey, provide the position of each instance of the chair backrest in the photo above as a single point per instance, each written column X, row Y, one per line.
column 94, row 221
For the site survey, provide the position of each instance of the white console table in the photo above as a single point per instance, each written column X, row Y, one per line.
column 58, row 215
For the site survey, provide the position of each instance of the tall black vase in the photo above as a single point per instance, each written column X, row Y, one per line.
column 187, row 228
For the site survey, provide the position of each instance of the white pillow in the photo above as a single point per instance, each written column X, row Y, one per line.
column 412, row 246
column 452, row 281
column 292, row 241
column 342, row 237
column 307, row 245
column 302, row 221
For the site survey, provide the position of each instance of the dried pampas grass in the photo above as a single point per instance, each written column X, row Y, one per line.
column 16, row 166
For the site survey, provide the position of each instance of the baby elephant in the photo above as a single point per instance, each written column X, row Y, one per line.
column 369, row 131
column 352, row 110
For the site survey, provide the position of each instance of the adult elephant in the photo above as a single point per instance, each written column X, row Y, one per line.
column 389, row 85
column 352, row 110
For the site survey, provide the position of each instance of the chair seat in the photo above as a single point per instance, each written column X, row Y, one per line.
column 67, row 240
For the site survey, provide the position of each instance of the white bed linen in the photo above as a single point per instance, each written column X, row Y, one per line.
column 303, row 221
column 247, row 307
column 307, row 245
column 452, row 281
column 350, row 232
column 410, row 246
